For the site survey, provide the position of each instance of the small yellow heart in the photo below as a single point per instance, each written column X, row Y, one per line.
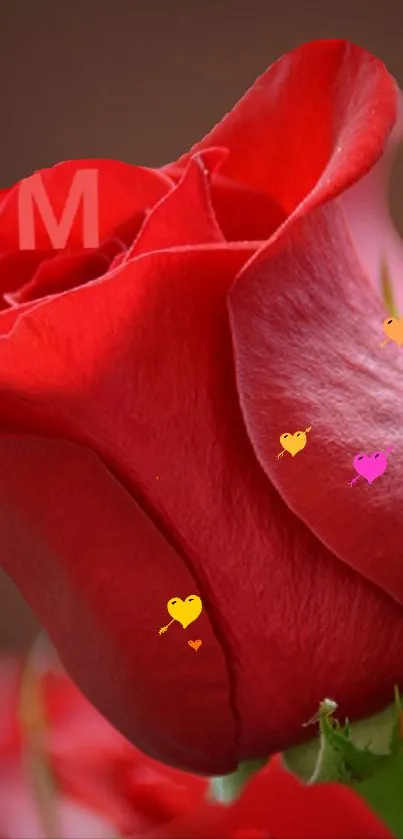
column 185, row 611
column 393, row 328
column 293, row 443
column 195, row 644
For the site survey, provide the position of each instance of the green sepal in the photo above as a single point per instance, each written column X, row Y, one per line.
column 225, row 789
column 367, row 757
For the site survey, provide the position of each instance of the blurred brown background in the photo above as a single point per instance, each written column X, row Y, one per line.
column 141, row 81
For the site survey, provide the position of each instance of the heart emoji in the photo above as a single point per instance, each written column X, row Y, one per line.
column 370, row 466
column 393, row 328
column 294, row 443
column 185, row 611
column 195, row 644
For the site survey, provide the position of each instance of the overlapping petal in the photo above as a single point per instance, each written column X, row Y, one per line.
column 109, row 577
column 311, row 125
column 184, row 217
column 180, row 462
column 122, row 191
column 313, row 359
column 151, row 389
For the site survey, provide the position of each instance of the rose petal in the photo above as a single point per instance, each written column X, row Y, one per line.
column 16, row 269
column 30, row 275
column 242, row 213
column 151, row 388
column 110, row 577
column 310, row 356
column 185, row 216
column 122, row 191
column 64, row 271
column 9, row 317
column 325, row 103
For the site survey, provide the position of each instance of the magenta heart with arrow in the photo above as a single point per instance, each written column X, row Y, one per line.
column 371, row 466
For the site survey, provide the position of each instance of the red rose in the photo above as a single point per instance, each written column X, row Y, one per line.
column 141, row 413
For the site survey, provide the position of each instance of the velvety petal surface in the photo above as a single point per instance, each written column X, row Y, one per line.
column 309, row 355
column 151, row 388
column 98, row 572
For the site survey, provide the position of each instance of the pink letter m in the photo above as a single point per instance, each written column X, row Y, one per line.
column 84, row 186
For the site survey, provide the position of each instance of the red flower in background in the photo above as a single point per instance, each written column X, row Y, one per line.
column 275, row 805
column 140, row 415
column 65, row 771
